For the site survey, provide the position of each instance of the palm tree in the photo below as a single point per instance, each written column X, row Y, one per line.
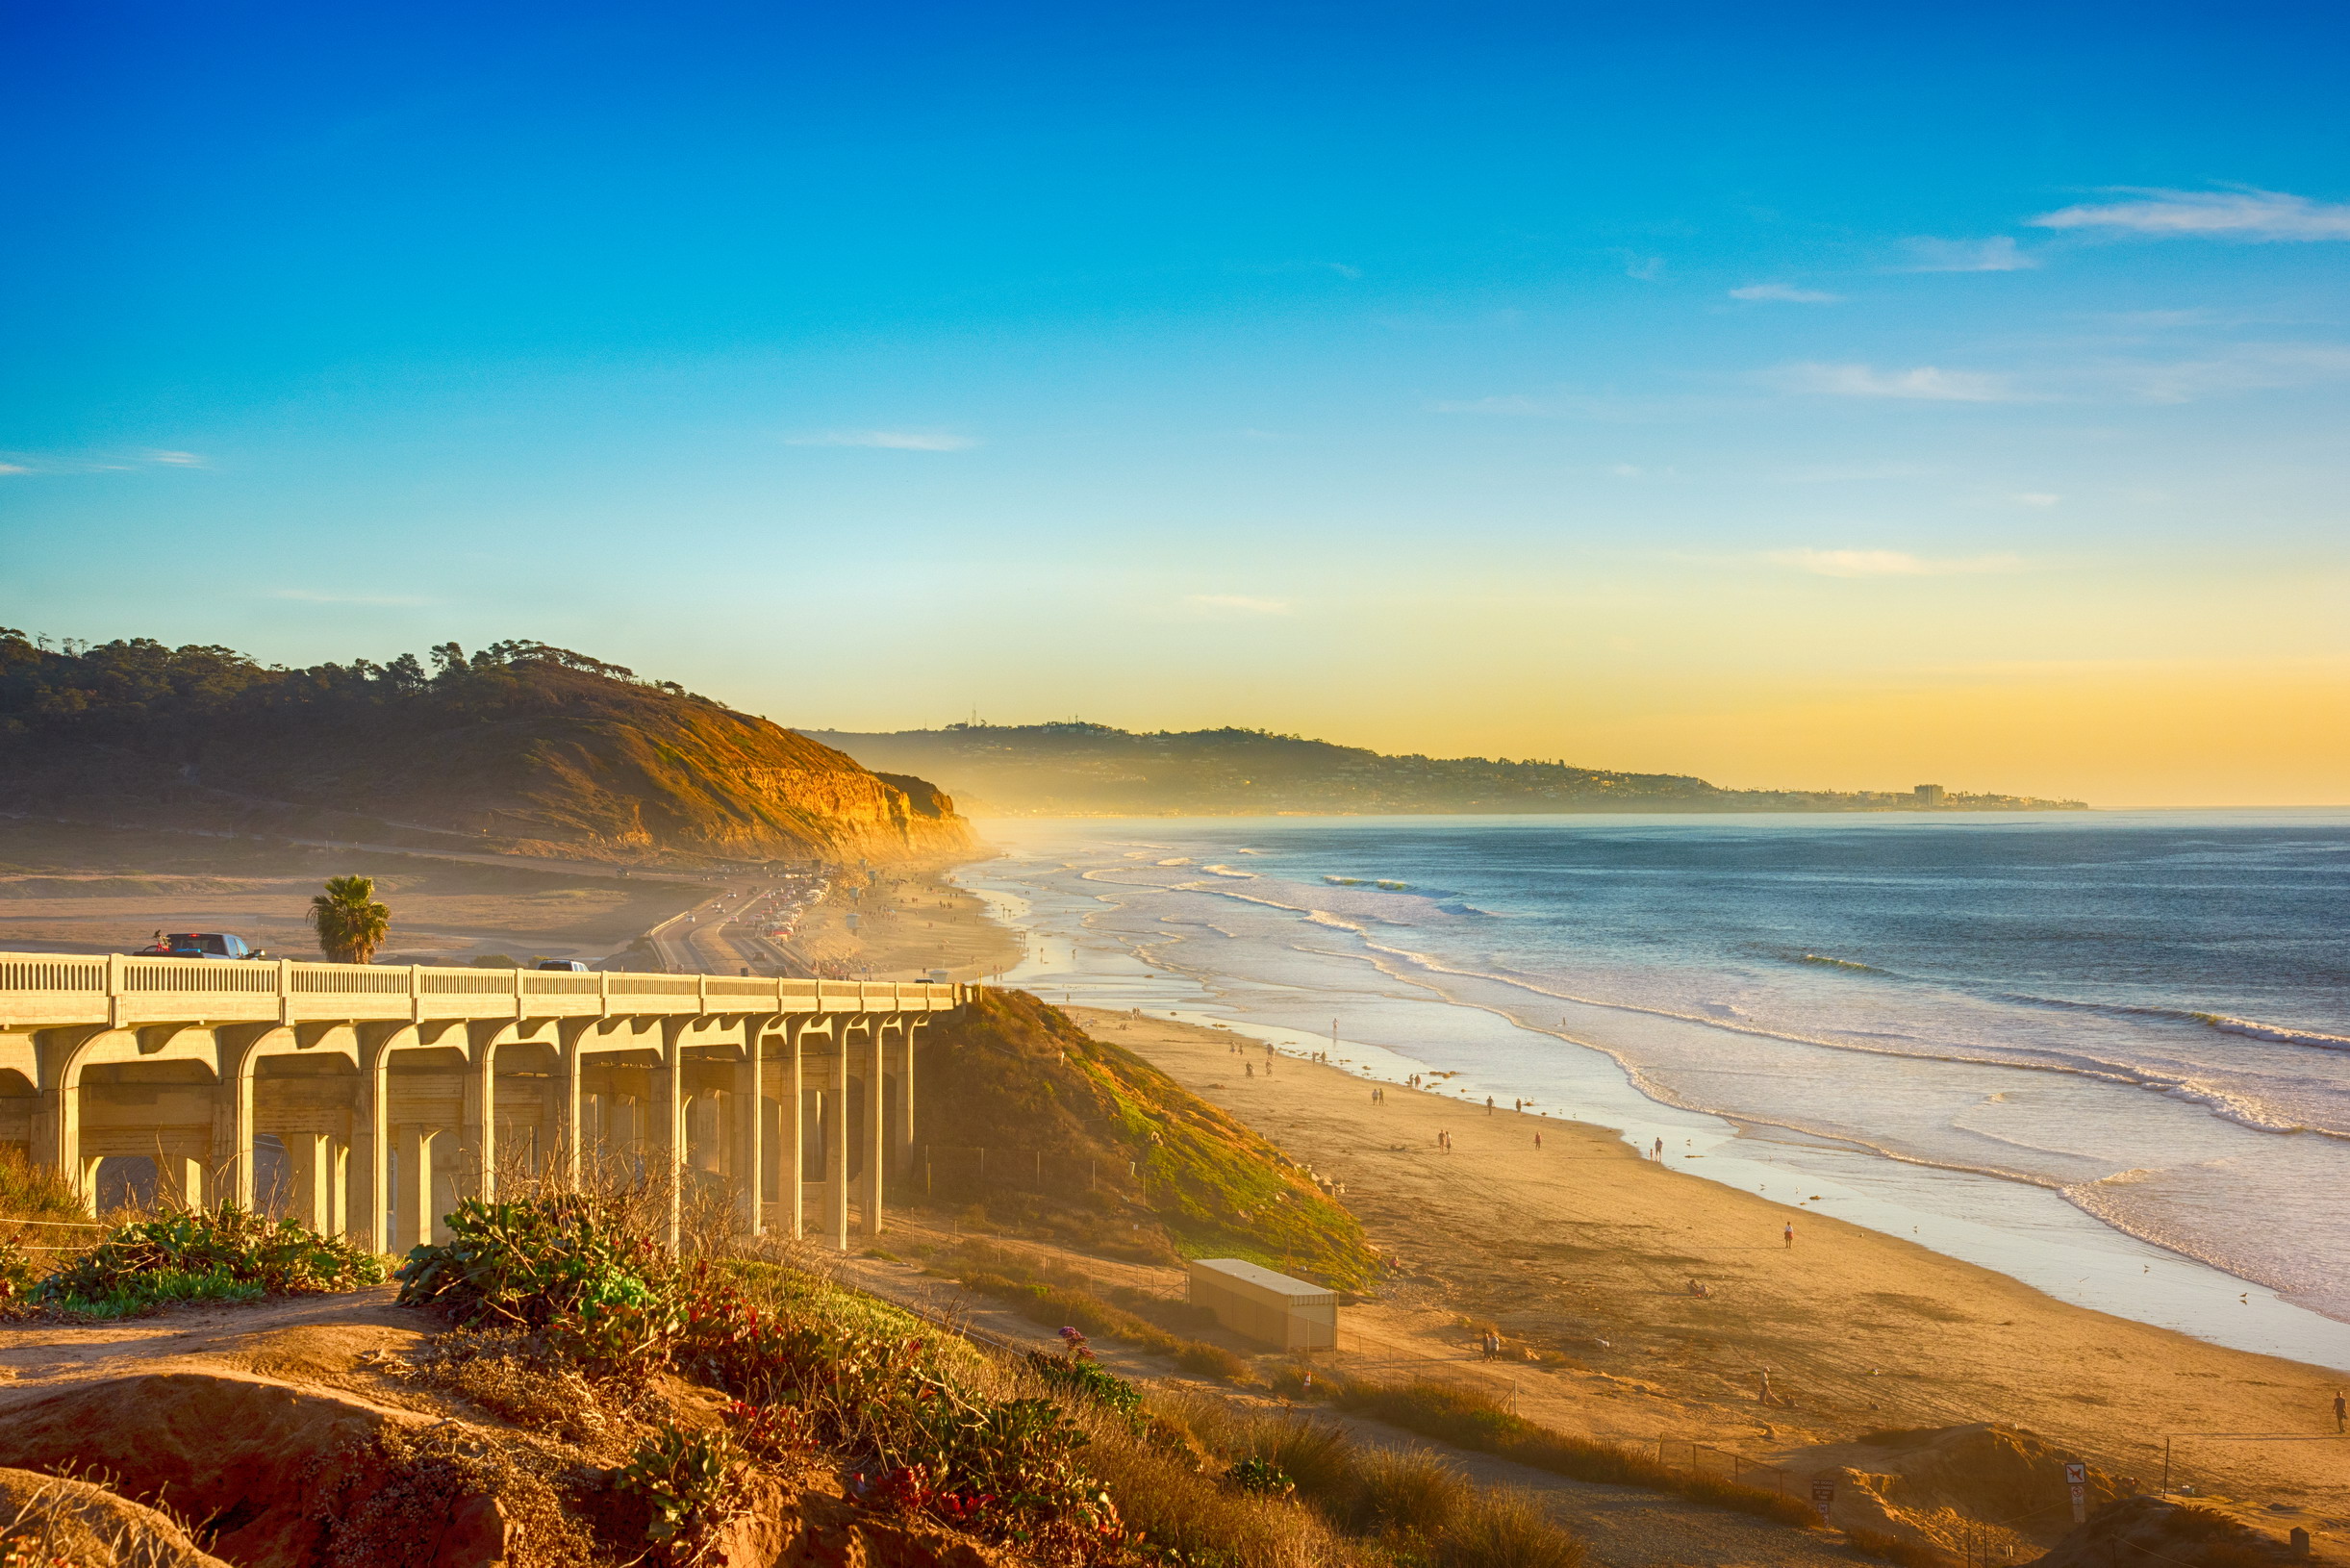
column 350, row 924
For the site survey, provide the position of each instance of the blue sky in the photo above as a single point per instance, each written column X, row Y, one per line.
column 1811, row 397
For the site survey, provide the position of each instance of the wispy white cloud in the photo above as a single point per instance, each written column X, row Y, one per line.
column 70, row 463
column 2243, row 367
column 1925, row 383
column 2036, row 497
column 1625, row 471
column 1513, row 403
column 1997, row 254
column 1636, row 265
column 1838, row 474
column 1887, row 563
column 1343, row 269
column 1241, row 602
column 897, row 440
column 1786, row 292
column 310, row 595
column 2249, row 214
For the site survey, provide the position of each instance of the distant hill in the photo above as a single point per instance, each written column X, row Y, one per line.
column 1092, row 769
column 521, row 748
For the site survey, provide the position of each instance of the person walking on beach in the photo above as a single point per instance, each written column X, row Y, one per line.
column 1537, row 1140
column 1790, row 1236
column 1657, row 1153
column 2341, row 1411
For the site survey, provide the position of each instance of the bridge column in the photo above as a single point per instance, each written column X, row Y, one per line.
column 563, row 1168
column 876, row 1097
column 748, row 1106
column 412, row 1221
column 57, row 1123
column 233, row 1129
column 787, row 1153
column 836, row 1140
column 901, row 1111
column 367, row 1219
column 666, row 1159
column 480, row 1114
column 311, row 1158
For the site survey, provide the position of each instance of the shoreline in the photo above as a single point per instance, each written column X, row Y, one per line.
column 2033, row 1234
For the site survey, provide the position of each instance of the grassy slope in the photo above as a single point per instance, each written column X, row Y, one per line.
column 1123, row 1144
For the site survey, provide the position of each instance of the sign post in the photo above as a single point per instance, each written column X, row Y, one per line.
column 1824, row 1495
column 2077, row 1481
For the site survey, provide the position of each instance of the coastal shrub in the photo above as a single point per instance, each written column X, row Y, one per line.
column 1405, row 1493
column 1318, row 1457
column 32, row 1192
column 17, row 1276
column 223, row 1253
column 1259, row 1477
column 694, row 1485
column 869, row 1385
column 1087, row 1378
column 1506, row 1529
column 1473, row 1419
column 1177, row 1512
column 528, row 1263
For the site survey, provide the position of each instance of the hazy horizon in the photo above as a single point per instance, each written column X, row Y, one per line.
column 1835, row 400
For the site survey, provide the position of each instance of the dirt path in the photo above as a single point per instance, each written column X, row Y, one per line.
column 306, row 1339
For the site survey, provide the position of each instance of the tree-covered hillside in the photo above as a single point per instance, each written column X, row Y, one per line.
column 520, row 747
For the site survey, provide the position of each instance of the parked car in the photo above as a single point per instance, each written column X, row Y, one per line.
column 199, row 945
column 569, row 966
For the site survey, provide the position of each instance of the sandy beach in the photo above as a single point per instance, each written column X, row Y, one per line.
column 1582, row 1253
column 910, row 921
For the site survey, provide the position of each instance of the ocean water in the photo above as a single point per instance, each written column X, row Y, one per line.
column 2108, row 1054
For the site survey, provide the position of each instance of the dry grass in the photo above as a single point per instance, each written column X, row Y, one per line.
column 73, row 1520
column 1473, row 1419
column 1408, row 1507
column 1894, row 1549
column 429, row 1476
column 1046, row 1294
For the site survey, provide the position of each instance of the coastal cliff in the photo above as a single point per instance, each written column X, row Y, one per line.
column 520, row 749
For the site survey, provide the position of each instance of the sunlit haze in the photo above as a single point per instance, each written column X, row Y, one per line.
column 1827, row 398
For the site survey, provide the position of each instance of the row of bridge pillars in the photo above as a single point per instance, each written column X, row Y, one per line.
column 783, row 1125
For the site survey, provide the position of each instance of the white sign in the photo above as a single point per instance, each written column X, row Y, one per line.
column 2076, row 1478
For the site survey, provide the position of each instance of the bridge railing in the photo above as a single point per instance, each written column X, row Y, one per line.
column 46, row 988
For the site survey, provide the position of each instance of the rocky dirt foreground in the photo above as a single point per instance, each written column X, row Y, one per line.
column 290, row 1435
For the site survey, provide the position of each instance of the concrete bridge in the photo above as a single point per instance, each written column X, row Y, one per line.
column 380, row 1094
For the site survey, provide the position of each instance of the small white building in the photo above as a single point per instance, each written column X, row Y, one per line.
column 1270, row 1308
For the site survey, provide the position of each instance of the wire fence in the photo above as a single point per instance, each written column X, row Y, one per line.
column 973, row 1170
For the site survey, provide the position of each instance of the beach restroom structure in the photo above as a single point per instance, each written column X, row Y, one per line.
column 1270, row 1308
